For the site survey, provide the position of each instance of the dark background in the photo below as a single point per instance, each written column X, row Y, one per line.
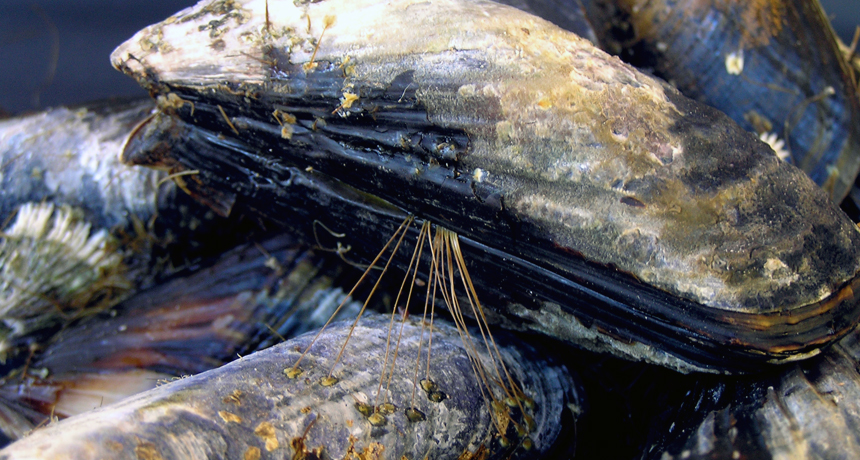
column 56, row 52
column 79, row 36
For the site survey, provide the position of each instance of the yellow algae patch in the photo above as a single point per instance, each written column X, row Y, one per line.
column 253, row 453
column 266, row 432
column 348, row 99
column 544, row 103
column 229, row 417
column 147, row 451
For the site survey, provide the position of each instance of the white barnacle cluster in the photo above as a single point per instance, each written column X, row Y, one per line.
column 777, row 144
column 735, row 62
column 51, row 267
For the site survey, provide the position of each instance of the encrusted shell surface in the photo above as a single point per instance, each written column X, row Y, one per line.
column 533, row 143
column 773, row 66
column 250, row 405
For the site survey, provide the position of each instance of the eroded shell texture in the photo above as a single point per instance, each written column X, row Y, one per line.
column 653, row 208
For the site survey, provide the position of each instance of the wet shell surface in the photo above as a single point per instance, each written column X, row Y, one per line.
column 809, row 410
column 251, row 409
column 250, row 297
column 616, row 213
column 743, row 58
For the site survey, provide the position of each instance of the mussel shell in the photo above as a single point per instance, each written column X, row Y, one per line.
column 201, row 319
column 249, row 298
column 251, row 405
column 789, row 64
column 808, row 410
column 64, row 156
column 646, row 217
column 64, row 164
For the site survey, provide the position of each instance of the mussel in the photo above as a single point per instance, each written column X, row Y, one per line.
column 596, row 203
column 63, row 156
column 808, row 410
column 251, row 409
column 81, row 230
column 774, row 67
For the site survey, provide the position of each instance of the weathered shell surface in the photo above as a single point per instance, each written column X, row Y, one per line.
column 745, row 59
column 192, row 323
column 69, row 156
column 595, row 181
column 250, row 407
column 810, row 410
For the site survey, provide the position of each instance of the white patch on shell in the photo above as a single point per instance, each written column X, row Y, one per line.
column 735, row 62
column 778, row 271
column 551, row 319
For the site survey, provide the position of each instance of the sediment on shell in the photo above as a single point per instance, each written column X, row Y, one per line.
column 749, row 65
column 639, row 206
column 251, row 405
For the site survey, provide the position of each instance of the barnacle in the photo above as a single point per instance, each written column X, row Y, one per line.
column 777, row 144
column 52, row 267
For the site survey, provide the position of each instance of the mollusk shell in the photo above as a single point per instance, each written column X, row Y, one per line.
column 646, row 220
column 808, row 410
column 188, row 324
column 772, row 66
column 250, row 405
column 68, row 156
column 85, row 232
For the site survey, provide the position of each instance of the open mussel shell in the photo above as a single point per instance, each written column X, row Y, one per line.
column 250, row 407
column 774, row 67
column 610, row 209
